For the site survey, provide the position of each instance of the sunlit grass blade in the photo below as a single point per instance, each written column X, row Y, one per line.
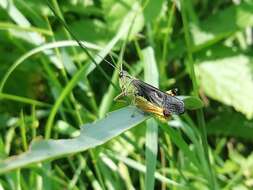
column 23, row 100
column 151, row 77
column 142, row 168
column 8, row 26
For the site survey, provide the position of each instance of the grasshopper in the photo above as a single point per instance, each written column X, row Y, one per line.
column 149, row 98
column 145, row 96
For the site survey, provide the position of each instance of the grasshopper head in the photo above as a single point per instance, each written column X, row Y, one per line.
column 123, row 74
column 125, row 80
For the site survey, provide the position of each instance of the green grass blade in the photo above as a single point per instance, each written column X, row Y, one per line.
column 85, row 70
column 23, row 100
column 181, row 144
column 22, row 21
column 108, row 97
column 23, row 127
column 140, row 167
column 7, row 26
column 200, row 114
column 151, row 77
column 91, row 135
column 43, row 48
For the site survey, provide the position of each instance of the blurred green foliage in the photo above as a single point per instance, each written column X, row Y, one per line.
column 49, row 88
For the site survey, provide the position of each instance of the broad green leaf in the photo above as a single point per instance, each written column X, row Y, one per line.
column 91, row 135
column 217, row 27
column 229, row 80
column 191, row 102
column 81, row 9
column 116, row 11
column 94, row 31
column 152, row 9
column 239, row 17
column 231, row 124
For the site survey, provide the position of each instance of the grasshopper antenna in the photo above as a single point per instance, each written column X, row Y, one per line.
column 112, row 65
column 84, row 48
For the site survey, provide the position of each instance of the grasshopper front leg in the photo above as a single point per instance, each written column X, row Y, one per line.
column 124, row 91
column 119, row 96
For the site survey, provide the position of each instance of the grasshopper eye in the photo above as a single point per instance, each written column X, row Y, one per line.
column 121, row 74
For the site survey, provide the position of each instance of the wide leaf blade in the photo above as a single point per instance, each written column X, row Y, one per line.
column 229, row 80
column 91, row 135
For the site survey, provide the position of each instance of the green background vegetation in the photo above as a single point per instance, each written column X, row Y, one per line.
column 51, row 92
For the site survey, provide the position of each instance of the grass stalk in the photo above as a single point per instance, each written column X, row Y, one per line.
column 64, row 73
column 152, row 77
column 23, row 100
column 23, row 131
column 167, row 41
column 200, row 114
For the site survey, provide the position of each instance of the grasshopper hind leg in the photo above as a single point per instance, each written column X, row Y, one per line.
column 137, row 109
